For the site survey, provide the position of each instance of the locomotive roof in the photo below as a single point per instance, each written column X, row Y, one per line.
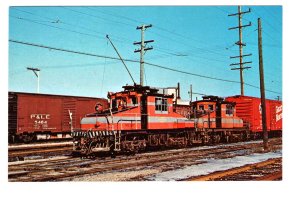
column 211, row 98
column 139, row 88
column 149, row 91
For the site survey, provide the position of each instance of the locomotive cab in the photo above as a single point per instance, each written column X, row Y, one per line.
column 136, row 114
column 213, row 112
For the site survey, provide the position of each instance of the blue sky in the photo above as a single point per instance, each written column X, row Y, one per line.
column 193, row 39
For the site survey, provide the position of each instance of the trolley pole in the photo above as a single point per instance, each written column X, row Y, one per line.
column 262, row 87
column 36, row 71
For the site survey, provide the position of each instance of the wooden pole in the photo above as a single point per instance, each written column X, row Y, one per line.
column 262, row 88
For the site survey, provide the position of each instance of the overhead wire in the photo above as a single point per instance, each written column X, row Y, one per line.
column 60, row 28
column 168, row 52
column 69, row 24
column 163, row 29
column 129, row 60
column 94, row 16
column 59, row 21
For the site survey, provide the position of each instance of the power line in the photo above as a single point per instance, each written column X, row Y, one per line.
column 273, row 14
column 78, row 65
column 270, row 25
column 63, row 22
column 97, row 16
column 135, row 61
column 208, row 77
column 58, row 21
column 69, row 51
column 157, row 27
column 116, row 15
column 29, row 20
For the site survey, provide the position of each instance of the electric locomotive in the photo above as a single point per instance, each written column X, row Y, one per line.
column 140, row 117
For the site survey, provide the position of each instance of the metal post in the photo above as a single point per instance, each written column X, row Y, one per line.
column 178, row 90
column 191, row 92
column 262, row 88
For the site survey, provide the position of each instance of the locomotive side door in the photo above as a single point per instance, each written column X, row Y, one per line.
column 144, row 112
column 218, row 115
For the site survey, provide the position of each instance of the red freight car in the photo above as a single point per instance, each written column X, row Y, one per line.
column 44, row 116
column 249, row 109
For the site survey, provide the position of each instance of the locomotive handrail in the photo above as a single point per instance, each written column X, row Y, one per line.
column 136, row 120
column 108, row 111
column 128, row 120
column 230, row 120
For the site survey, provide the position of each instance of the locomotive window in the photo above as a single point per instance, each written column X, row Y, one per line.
column 211, row 107
column 164, row 104
column 157, row 103
column 229, row 109
column 114, row 104
column 161, row 104
column 201, row 107
column 134, row 100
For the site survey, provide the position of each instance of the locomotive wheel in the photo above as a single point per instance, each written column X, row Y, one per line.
column 112, row 154
column 27, row 138
column 11, row 139
column 216, row 139
column 75, row 154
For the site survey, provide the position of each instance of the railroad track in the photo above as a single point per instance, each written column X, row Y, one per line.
column 268, row 170
column 19, row 152
column 67, row 168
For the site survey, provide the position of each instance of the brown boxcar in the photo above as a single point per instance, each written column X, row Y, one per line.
column 249, row 109
column 45, row 116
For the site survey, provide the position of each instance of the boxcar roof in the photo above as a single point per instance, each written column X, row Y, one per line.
column 56, row 95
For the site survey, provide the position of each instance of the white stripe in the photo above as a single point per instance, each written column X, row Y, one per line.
column 92, row 120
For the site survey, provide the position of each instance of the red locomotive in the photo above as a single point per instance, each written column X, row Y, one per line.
column 34, row 116
column 140, row 117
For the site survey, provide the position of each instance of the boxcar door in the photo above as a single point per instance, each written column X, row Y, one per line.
column 69, row 104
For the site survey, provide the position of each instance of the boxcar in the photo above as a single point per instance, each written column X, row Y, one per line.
column 34, row 116
column 249, row 109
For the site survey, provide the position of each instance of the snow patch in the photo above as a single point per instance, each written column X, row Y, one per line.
column 213, row 165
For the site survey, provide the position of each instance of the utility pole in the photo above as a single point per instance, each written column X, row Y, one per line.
column 201, row 94
column 36, row 71
column 262, row 88
column 178, row 90
column 191, row 92
column 240, row 44
column 142, row 50
column 278, row 98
